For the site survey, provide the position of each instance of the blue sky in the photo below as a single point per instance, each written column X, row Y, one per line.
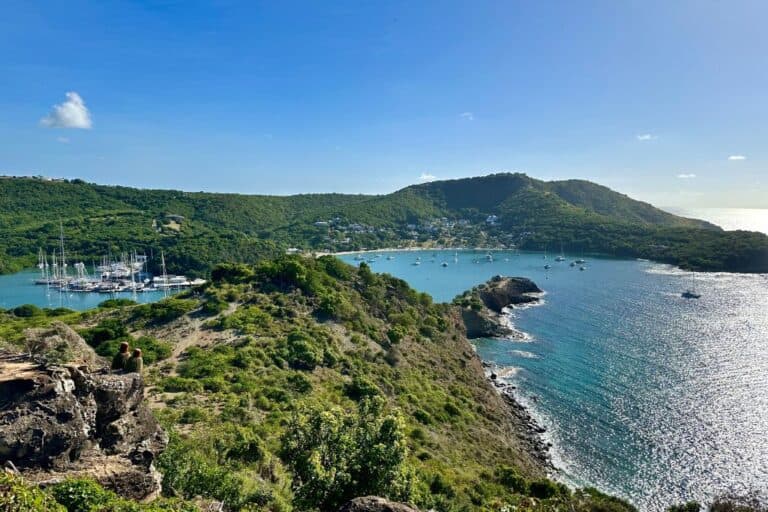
column 650, row 98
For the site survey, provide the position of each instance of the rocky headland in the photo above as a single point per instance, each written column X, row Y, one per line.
column 68, row 416
column 482, row 308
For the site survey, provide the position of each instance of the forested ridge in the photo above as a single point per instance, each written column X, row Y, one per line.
column 196, row 230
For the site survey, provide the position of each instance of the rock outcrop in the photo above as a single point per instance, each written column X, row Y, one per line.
column 68, row 420
column 483, row 307
column 375, row 504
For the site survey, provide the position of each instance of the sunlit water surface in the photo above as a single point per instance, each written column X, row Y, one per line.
column 644, row 394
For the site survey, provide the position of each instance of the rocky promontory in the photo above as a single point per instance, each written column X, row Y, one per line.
column 482, row 308
column 74, row 418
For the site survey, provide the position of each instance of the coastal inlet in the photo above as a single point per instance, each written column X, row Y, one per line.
column 639, row 389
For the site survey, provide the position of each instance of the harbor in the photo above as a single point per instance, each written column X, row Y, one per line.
column 126, row 273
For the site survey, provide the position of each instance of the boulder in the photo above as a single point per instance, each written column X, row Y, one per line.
column 66, row 420
column 375, row 504
column 501, row 292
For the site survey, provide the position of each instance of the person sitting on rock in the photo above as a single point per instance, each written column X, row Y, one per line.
column 120, row 360
column 135, row 363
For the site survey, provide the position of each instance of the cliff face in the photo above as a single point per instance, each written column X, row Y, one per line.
column 483, row 306
column 64, row 420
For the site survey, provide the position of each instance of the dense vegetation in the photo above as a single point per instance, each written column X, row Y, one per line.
column 317, row 382
column 297, row 384
column 196, row 230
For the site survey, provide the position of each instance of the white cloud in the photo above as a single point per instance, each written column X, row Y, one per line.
column 467, row 116
column 646, row 136
column 737, row 157
column 425, row 176
column 63, row 140
column 70, row 114
column 686, row 176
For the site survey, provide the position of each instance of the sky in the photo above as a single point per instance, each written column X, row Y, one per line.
column 665, row 101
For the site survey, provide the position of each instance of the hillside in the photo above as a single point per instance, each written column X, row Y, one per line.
column 301, row 383
column 196, row 230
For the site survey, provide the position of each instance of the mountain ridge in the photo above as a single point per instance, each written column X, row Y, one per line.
column 498, row 210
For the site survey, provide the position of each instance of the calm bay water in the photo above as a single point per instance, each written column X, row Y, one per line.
column 644, row 394
column 16, row 289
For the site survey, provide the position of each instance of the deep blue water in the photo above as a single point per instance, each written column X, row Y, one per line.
column 645, row 394
column 16, row 289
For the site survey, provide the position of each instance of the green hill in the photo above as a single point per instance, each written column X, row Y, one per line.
column 300, row 383
column 195, row 230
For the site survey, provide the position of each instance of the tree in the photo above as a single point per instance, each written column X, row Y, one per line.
column 337, row 456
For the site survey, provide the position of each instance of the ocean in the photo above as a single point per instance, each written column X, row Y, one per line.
column 749, row 219
column 644, row 394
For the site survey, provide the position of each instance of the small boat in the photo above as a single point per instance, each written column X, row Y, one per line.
column 444, row 264
column 690, row 293
column 573, row 263
column 390, row 257
column 580, row 261
column 416, row 263
column 582, row 268
column 560, row 258
column 547, row 267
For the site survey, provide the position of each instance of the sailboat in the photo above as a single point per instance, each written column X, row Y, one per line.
column 561, row 256
column 690, row 293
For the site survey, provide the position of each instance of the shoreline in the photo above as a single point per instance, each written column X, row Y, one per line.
column 530, row 431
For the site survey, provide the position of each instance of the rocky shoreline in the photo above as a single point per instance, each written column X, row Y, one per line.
column 484, row 310
column 532, row 432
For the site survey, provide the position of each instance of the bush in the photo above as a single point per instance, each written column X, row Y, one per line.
column 181, row 384
column 81, row 495
column 27, row 311
column 336, row 456
column 15, row 496
column 193, row 415
column 511, row 478
column 116, row 303
column 165, row 310
column 303, row 353
column 361, row 387
column 544, row 489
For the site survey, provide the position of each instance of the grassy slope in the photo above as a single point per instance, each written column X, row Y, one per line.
column 236, row 370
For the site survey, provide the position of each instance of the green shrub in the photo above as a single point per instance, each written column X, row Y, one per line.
column 181, row 384
column 164, row 310
column 544, row 489
column 81, row 495
column 16, row 496
column 509, row 477
column 193, row 415
column 27, row 311
column 303, row 352
column 361, row 387
column 116, row 303
column 336, row 456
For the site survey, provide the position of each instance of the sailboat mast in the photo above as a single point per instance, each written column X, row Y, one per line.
column 63, row 271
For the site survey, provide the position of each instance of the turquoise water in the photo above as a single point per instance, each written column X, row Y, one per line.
column 16, row 289
column 644, row 394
